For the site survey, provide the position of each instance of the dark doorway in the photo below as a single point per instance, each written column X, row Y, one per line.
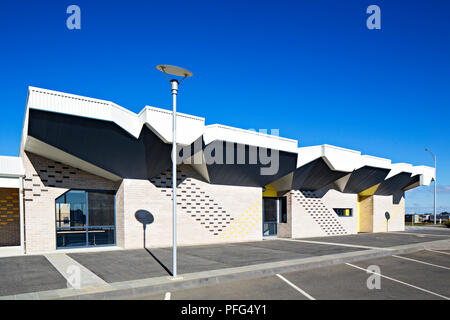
column 270, row 209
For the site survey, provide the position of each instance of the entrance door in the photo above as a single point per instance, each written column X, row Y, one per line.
column 365, row 213
column 270, row 209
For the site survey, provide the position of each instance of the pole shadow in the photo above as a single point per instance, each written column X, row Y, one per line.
column 146, row 218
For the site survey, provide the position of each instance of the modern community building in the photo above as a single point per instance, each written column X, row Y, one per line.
column 88, row 169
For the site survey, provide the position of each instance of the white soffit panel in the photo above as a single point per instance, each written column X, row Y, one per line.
column 377, row 162
column 308, row 154
column 11, row 167
column 189, row 128
column 338, row 159
column 427, row 174
column 10, row 182
column 249, row 137
column 397, row 168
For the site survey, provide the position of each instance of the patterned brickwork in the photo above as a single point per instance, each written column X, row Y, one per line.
column 194, row 201
column 321, row 214
column 50, row 174
column 45, row 180
column 9, row 217
column 248, row 222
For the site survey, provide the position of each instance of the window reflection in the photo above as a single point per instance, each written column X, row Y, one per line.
column 85, row 218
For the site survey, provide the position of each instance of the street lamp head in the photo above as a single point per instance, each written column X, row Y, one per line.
column 174, row 71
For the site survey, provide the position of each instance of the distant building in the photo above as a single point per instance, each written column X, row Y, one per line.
column 412, row 218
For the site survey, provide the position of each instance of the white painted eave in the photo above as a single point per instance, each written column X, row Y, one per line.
column 11, row 167
column 248, row 137
column 397, row 168
column 371, row 161
column 337, row 158
column 189, row 128
column 427, row 174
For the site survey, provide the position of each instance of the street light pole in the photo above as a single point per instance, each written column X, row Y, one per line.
column 435, row 182
column 174, row 176
column 180, row 72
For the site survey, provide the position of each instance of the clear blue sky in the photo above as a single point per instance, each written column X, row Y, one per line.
column 310, row 68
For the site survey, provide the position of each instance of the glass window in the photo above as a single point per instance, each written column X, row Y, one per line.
column 101, row 209
column 343, row 212
column 270, row 213
column 283, row 210
column 85, row 218
column 270, row 209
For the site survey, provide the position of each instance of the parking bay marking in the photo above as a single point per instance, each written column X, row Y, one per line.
column 335, row 244
column 295, row 287
column 404, row 283
column 442, row 252
column 422, row 235
column 420, row 261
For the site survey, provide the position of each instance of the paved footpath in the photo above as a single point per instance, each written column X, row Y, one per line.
column 138, row 273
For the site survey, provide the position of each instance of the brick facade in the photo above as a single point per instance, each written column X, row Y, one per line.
column 45, row 180
column 206, row 213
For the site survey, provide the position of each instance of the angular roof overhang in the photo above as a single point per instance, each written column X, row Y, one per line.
column 241, row 164
column 102, row 144
column 105, row 139
column 325, row 167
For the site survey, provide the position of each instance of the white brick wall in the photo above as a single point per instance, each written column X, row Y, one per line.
column 311, row 214
column 45, row 180
column 206, row 213
column 240, row 207
column 335, row 199
column 381, row 204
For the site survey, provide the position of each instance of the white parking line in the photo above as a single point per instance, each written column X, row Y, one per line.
column 423, row 262
column 167, row 296
column 437, row 251
column 404, row 283
column 334, row 244
column 295, row 287
column 423, row 234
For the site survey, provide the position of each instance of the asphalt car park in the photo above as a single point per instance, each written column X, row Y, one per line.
column 384, row 240
column 417, row 275
column 424, row 275
column 28, row 274
column 137, row 264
